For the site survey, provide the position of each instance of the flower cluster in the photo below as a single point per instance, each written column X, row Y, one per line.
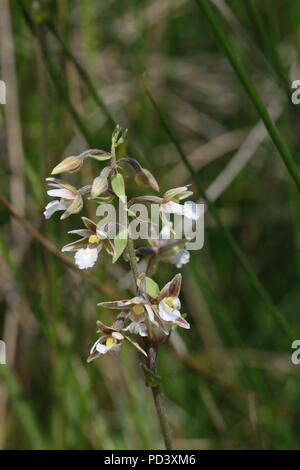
column 151, row 313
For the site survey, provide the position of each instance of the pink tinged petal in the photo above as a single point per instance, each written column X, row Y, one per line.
column 151, row 314
column 103, row 328
column 86, row 257
column 182, row 323
column 75, row 246
column 171, row 207
column 63, row 193
column 52, row 207
column 90, row 225
column 81, row 232
column 172, row 288
column 119, row 304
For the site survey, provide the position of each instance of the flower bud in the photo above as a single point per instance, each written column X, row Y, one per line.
column 99, row 186
column 145, row 177
column 177, row 193
column 68, row 165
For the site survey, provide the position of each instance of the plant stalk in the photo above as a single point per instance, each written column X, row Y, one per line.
column 158, row 400
column 151, row 362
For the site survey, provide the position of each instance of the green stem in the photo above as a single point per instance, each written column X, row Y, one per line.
column 250, row 89
column 132, row 260
column 158, row 400
column 151, row 362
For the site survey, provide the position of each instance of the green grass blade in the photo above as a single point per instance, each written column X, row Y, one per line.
column 23, row 410
column 250, row 89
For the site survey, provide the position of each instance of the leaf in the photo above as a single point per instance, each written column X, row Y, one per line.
column 152, row 379
column 120, row 244
column 152, row 287
column 117, row 183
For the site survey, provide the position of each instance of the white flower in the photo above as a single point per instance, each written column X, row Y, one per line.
column 137, row 328
column 54, row 206
column 191, row 210
column 110, row 342
column 181, row 258
column 86, row 257
column 70, row 199
column 107, row 344
column 169, row 309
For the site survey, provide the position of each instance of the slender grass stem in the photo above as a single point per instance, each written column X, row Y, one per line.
column 250, row 89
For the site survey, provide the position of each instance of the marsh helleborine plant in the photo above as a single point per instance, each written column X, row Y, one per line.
column 151, row 313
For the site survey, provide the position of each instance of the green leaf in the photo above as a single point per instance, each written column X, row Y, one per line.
column 117, row 183
column 152, row 379
column 120, row 244
column 152, row 288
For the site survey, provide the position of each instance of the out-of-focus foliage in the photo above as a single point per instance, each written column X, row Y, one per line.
column 74, row 68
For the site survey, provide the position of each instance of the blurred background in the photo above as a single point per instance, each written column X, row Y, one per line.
column 72, row 70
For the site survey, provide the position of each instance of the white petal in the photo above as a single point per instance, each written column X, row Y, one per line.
column 181, row 258
column 93, row 348
column 176, row 303
column 101, row 348
column 117, row 335
column 150, row 313
column 172, row 208
column 64, row 193
column 86, row 257
column 191, row 210
column 137, row 328
column 52, row 207
column 166, row 313
column 165, row 233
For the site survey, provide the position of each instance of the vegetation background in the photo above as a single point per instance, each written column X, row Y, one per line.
column 74, row 68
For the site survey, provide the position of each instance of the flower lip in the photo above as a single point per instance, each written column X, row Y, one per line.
column 86, row 257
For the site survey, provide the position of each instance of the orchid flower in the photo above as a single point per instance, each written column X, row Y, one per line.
column 110, row 342
column 70, row 199
column 163, row 311
column 89, row 246
column 171, row 204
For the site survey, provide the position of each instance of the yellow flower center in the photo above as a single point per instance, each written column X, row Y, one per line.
column 138, row 309
column 169, row 301
column 93, row 239
column 110, row 341
column 174, row 199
